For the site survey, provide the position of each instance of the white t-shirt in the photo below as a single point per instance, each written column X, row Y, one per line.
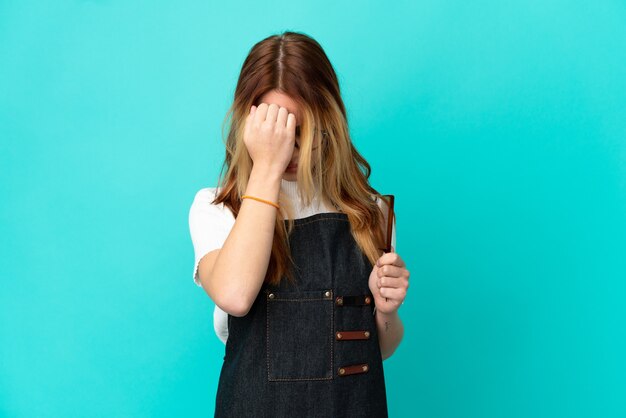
column 210, row 224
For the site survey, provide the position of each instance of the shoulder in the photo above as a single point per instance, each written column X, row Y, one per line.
column 205, row 195
column 203, row 203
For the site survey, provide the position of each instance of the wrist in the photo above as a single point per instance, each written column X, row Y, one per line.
column 263, row 184
column 387, row 316
column 265, row 174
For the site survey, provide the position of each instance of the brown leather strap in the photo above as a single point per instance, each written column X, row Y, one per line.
column 353, row 369
column 352, row 335
column 356, row 300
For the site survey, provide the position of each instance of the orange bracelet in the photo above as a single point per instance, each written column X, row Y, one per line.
column 261, row 200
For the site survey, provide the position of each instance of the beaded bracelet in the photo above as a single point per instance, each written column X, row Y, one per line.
column 261, row 200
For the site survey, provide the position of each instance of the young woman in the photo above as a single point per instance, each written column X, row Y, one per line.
column 289, row 248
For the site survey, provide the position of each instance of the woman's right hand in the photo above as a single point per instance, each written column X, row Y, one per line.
column 269, row 136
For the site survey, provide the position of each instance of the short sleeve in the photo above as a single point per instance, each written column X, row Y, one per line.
column 209, row 225
column 385, row 209
column 220, row 324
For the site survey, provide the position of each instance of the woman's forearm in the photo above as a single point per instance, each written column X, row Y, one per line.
column 390, row 332
column 241, row 265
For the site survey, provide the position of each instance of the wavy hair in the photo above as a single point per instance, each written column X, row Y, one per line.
column 295, row 64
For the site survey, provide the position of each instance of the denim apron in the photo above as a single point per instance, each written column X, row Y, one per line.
column 308, row 349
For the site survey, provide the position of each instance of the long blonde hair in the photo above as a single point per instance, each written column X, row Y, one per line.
column 296, row 65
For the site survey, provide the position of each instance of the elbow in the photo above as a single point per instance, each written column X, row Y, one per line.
column 386, row 355
column 239, row 310
column 231, row 299
column 233, row 306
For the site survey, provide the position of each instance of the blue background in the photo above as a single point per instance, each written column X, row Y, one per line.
column 499, row 126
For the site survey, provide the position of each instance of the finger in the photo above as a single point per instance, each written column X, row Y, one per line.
column 260, row 112
column 390, row 258
column 272, row 112
column 291, row 123
column 281, row 120
column 390, row 270
column 249, row 118
column 393, row 293
column 393, row 282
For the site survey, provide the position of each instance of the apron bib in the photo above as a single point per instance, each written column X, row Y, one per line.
column 308, row 349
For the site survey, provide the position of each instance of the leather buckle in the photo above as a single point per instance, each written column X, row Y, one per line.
column 353, row 369
column 355, row 300
column 352, row 335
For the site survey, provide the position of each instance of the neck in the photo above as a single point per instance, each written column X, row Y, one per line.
column 290, row 189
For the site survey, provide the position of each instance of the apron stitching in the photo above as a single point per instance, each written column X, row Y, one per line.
column 332, row 332
column 323, row 219
column 267, row 342
column 267, row 337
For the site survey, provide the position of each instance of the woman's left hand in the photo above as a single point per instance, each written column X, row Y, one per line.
column 389, row 282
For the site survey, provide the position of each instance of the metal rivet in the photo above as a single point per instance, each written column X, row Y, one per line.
column 342, row 371
column 327, row 294
column 368, row 300
column 339, row 335
column 365, row 368
column 339, row 300
column 271, row 296
column 367, row 334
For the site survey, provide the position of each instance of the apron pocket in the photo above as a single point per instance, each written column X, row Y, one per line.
column 299, row 335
